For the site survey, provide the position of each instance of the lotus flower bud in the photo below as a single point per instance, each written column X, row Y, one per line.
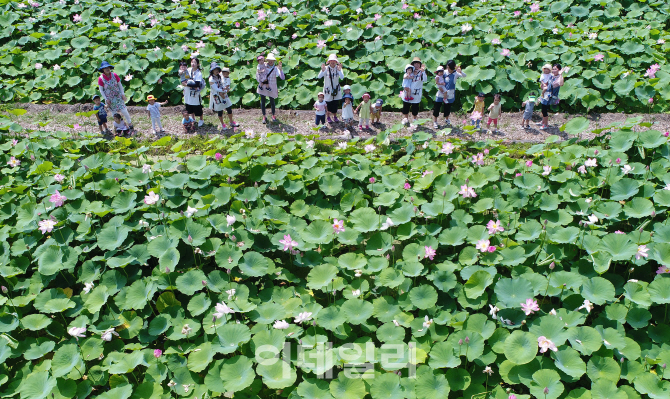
column 157, row 353
column 641, row 230
column 167, row 270
column 204, row 283
column 618, row 161
column 392, row 247
column 595, row 152
column 85, row 167
column 552, row 265
column 372, row 180
column 663, row 365
column 246, row 201
column 218, row 156
column 213, row 319
column 653, row 213
column 444, row 193
column 228, row 271
column 411, row 199
column 228, row 180
column 621, row 360
column 415, row 208
column 467, row 340
column 546, row 390
column 467, row 180
column 190, row 239
column 460, row 342
column 379, row 209
column 4, row 289
column 233, row 238
column 182, row 213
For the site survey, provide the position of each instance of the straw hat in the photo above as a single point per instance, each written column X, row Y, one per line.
column 416, row 59
column 546, row 66
column 151, row 97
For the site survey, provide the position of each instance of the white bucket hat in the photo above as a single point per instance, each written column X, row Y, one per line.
column 346, row 87
column 332, row 57
column 440, row 68
column 408, row 66
column 271, row 57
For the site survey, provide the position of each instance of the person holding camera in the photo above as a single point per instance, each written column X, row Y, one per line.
column 192, row 87
column 416, row 91
column 266, row 75
column 331, row 74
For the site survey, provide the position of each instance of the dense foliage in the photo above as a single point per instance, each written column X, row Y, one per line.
column 616, row 49
column 125, row 276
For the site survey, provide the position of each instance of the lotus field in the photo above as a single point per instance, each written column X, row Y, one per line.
column 616, row 50
column 276, row 268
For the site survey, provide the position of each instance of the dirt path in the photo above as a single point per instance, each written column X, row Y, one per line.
column 302, row 122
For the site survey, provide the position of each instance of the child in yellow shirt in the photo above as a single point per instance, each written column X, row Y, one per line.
column 478, row 110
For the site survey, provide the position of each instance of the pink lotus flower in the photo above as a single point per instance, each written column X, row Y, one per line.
column 495, row 41
column 154, row 22
column 426, row 173
column 530, row 306
column 599, row 57
column 59, row 178
column 123, row 27
column 447, row 148
column 663, row 270
column 237, row 24
column 128, row 78
column 517, row 175
column 151, row 199
column 377, row 16
column 407, row 186
column 46, row 226
column 478, row 159
column 430, row 252
column 467, row 192
column 338, row 226
column 547, row 170
column 207, row 30
column 372, row 180
column 483, row 245
column 76, row 126
column 328, row 23
column 404, row 6
column 200, row 45
column 545, row 344
column 57, row 199
column 218, row 156
column 157, row 353
column 651, row 100
column 261, row 15
column 619, row 232
column 13, row 162
column 293, row 36
column 76, row 18
column 505, row 52
column 38, row 66
column 517, row 13
column 641, row 252
column 288, row 243
column 494, row 227
column 368, row 26
column 492, row 248
column 378, row 38
column 535, row 7
column 666, row 134
column 529, row 163
column 320, row 44
column 486, row 151
column 417, row 16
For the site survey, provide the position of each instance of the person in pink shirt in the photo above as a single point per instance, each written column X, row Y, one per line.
column 111, row 91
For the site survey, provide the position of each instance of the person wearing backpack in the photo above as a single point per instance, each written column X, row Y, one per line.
column 331, row 74
column 192, row 88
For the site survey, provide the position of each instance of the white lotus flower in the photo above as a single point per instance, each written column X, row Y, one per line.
column 146, row 168
column 221, row 309
column 488, row 370
column 388, row 223
column 230, row 219
column 151, row 199
column 591, row 162
column 493, row 311
column 108, row 333
column 231, row 293
column 143, row 223
column 186, row 329
column 626, row 169
column 310, row 144
column 281, row 325
column 587, row 305
column 395, row 322
column 304, row 316
column 77, row 332
column 592, row 219
column 171, row 383
column 88, row 287
column 370, row 148
column 190, row 211
column 466, row 28
column 545, row 344
column 358, row 273
column 552, row 312
column 427, row 322
column 342, row 145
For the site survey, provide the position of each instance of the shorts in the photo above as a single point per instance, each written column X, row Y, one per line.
column 333, row 106
column 407, row 106
column 320, row 118
column 495, row 121
column 102, row 120
column 194, row 109
column 229, row 111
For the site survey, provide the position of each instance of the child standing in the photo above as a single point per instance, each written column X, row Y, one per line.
column 101, row 115
column 478, row 110
column 348, row 110
column 364, row 114
column 407, row 81
column 346, row 89
column 188, row 122
column 154, row 111
column 320, row 107
column 494, row 113
column 120, row 126
column 219, row 83
column 529, row 105
column 376, row 111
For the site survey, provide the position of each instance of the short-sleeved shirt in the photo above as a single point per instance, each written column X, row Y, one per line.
column 416, row 88
column 102, row 112
column 154, row 110
column 185, row 121
column 121, row 126
column 494, row 113
column 320, row 107
column 479, row 107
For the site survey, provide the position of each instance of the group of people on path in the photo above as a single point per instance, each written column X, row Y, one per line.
column 333, row 97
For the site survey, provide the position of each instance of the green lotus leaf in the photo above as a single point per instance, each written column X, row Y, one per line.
column 547, row 381
column 36, row 385
column 237, row 373
column 598, row 290
column 357, row 311
column 347, row 388
column 624, row 189
column 364, row 220
column 386, row 386
column 321, row 276
column 65, row 359
column 477, row 283
column 231, row 336
column 191, row 282
column 423, row 296
column 513, row 292
column 277, row 374
column 603, row 368
column 319, row 232
column 659, row 290
column 429, row 386
column 521, row 347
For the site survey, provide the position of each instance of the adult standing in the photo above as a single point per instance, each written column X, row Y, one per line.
column 551, row 90
column 451, row 74
column 267, row 75
column 111, row 91
column 219, row 86
column 331, row 74
column 418, row 80
column 192, row 88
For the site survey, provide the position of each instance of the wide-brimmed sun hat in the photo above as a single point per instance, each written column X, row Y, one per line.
column 104, row 65
column 332, row 57
column 271, row 57
column 440, row 68
column 547, row 66
column 408, row 66
column 214, row 66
